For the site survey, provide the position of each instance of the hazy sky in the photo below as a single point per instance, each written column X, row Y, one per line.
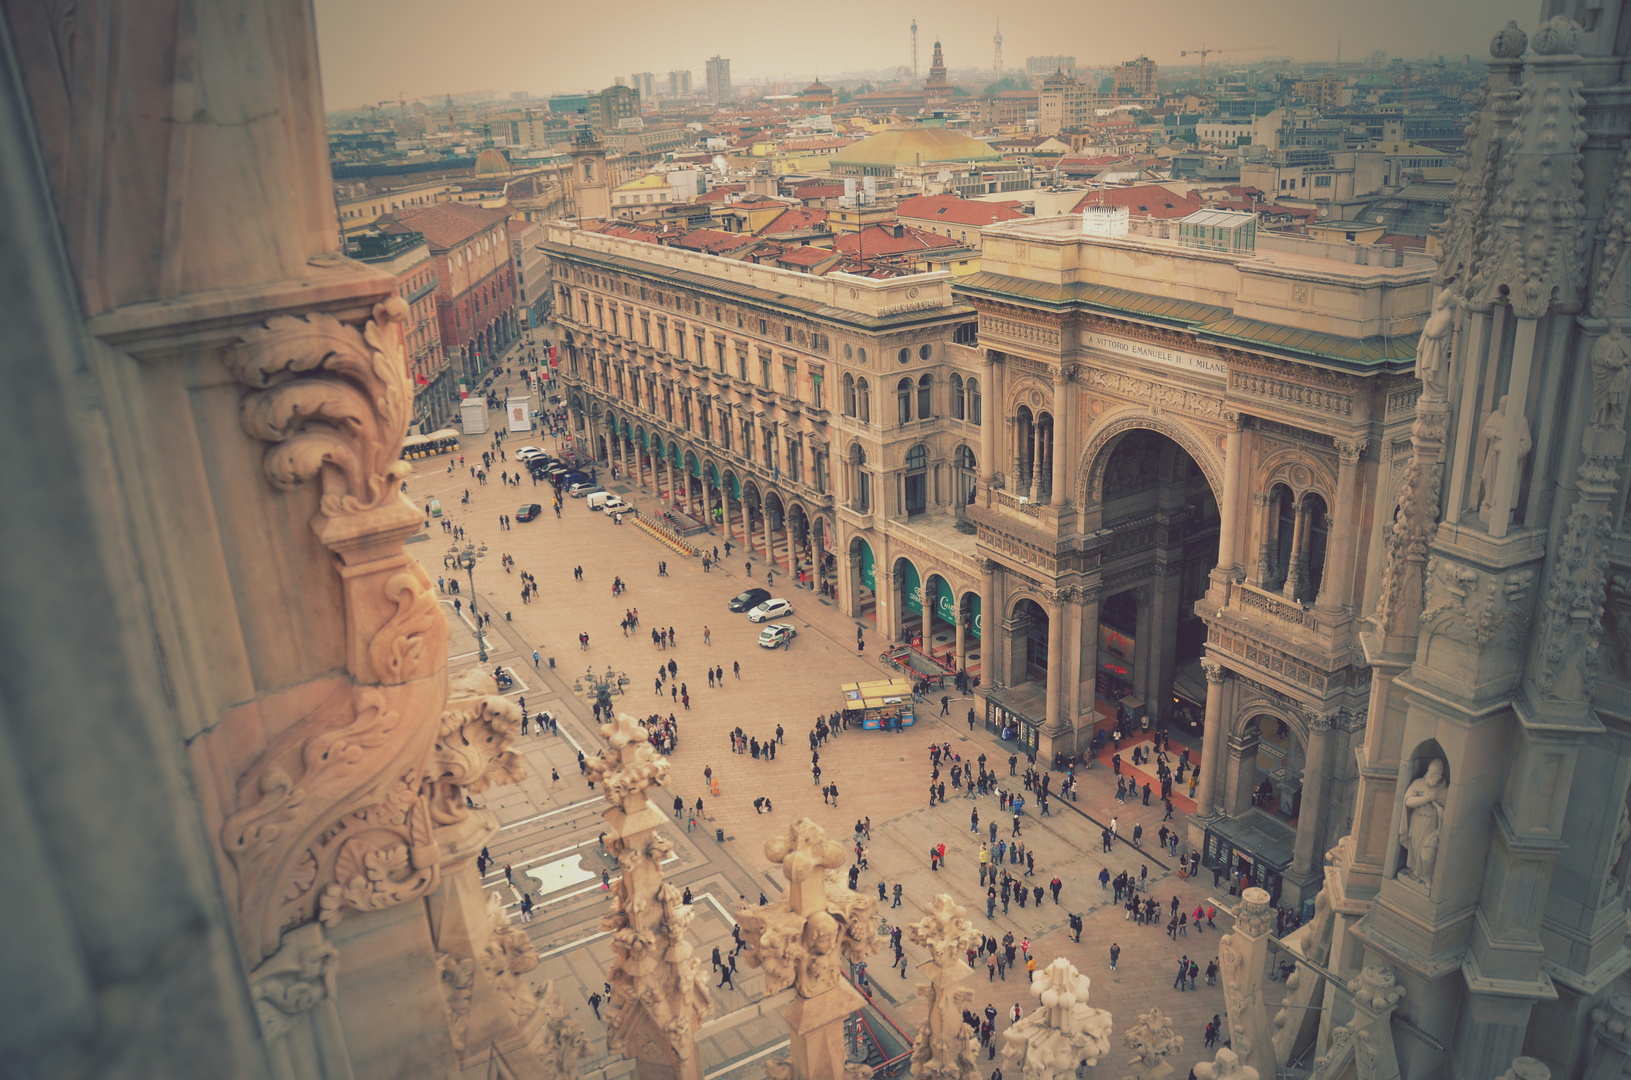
column 373, row 50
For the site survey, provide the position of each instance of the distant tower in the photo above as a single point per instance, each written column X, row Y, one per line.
column 914, row 48
column 998, row 41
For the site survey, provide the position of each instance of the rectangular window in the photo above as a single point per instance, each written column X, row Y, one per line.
column 742, row 366
column 764, row 374
column 662, row 339
column 679, row 342
column 719, row 355
column 815, row 392
column 764, row 328
column 725, row 428
column 645, row 330
column 702, row 354
column 790, row 377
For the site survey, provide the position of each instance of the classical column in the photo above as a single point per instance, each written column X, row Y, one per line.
column 1036, row 459
column 1268, row 549
column 988, row 419
column 991, row 669
column 1241, row 775
column 1295, row 562
column 770, row 543
column 962, row 639
column 1056, row 667
column 1211, row 763
column 1311, row 809
column 1228, row 509
column 1337, row 582
column 1063, row 451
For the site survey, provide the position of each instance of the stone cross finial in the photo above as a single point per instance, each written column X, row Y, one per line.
column 804, row 853
column 944, row 931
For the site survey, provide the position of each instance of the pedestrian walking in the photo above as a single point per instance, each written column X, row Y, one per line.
column 1115, row 954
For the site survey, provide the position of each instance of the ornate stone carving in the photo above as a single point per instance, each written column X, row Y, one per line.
column 458, row 976
column 1226, row 1066
column 1509, row 42
column 659, row 993
column 945, row 1048
column 1414, row 527
column 1255, row 915
column 1351, row 450
column 1151, row 1040
column 801, row 940
column 1216, row 673
column 1532, row 255
column 1376, row 988
column 1475, row 608
column 1421, row 823
column 300, row 976
column 333, row 402
column 1556, row 35
column 1612, row 232
column 1066, row 1032
column 472, row 753
column 332, row 817
column 1617, row 628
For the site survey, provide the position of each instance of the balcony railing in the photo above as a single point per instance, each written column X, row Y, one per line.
column 1023, row 505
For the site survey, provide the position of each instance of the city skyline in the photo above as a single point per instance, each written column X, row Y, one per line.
column 372, row 52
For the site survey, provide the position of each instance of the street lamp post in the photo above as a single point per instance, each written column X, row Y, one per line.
column 466, row 558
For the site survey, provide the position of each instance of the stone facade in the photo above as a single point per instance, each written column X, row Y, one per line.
column 1179, row 509
column 828, row 424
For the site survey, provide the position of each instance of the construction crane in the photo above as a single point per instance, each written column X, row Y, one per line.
column 1204, row 52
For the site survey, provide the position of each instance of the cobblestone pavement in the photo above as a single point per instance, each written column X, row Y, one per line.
column 551, row 827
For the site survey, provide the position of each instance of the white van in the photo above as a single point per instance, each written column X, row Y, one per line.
column 599, row 499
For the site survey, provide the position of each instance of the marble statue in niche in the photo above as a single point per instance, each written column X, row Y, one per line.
column 1491, row 438
column 1420, row 828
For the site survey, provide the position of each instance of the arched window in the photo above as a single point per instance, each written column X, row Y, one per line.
column 863, row 401
column 917, row 458
column 861, row 486
column 967, row 475
column 903, row 401
column 973, row 400
column 925, row 397
column 849, row 394
column 954, row 393
column 916, row 486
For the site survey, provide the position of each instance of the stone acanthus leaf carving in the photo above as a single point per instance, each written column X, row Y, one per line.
column 333, row 402
column 413, row 642
column 1226, row 1066
column 1065, row 1032
column 1151, row 1040
column 302, row 974
column 331, row 816
column 562, row 1043
column 1532, row 254
column 458, row 976
column 631, row 768
column 1509, row 42
column 1475, row 608
column 1376, row 988
column 508, row 955
column 1152, row 393
column 472, row 753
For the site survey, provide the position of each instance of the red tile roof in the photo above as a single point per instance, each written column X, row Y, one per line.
column 877, row 241
column 796, row 219
column 445, row 225
column 1145, row 200
column 806, row 256
column 957, row 211
column 717, row 195
column 818, row 191
column 713, row 241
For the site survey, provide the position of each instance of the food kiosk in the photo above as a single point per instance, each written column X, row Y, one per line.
column 882, row 703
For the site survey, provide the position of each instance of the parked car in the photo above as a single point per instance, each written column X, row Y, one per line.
column 528, row 453
column 770, row 609
column 556, row 468
column 776, row 635
column 616, row 505
column 605, row 500
column 750, row 599
column 528, row 512
column 583, row 489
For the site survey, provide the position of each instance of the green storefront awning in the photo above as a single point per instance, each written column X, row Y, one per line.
column 736, row 487
column 869, row 573
column 644, row 444
column 945, row 604
column 673, row 453
column 974, row 606
column 911, row 587
column 713, row 476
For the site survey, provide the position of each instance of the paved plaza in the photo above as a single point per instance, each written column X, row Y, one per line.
column 551, row 827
